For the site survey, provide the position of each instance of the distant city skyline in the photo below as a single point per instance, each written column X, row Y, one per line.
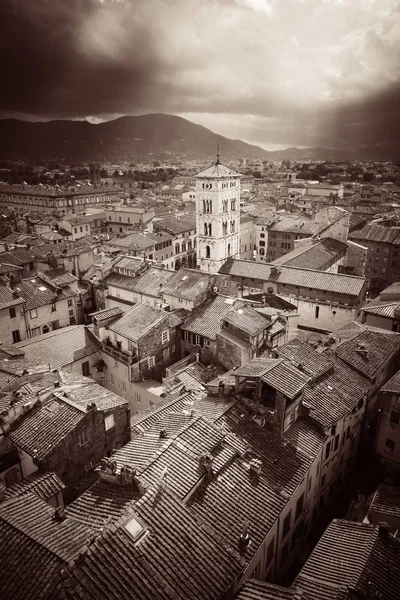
column 275, row 73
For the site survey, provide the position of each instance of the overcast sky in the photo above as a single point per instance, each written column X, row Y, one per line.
column 273, row 72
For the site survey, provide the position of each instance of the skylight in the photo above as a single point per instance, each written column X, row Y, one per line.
column 134, row 528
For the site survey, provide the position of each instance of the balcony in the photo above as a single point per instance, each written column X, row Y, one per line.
column 128, row 358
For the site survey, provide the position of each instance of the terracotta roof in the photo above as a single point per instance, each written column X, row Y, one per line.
column 162, row 565
column 176, row 226
column 369, row 351
column 187, row 284
column 61, row 347
column 306, row 358
column 300, row 224
column 261, row 590
column 351, row 560
column 247, row 319
column 393, row 385
column 382, row 310
column 35, row 547
column 277, row 373
column 377, row 233
column 315, row 255
column 348, row 285
column 386, row 501
column 217, row 170
column 151, row 282
column 328, row 399
column 43, row 427
column 8, row 299
column 44, row 485
column 137, row 321
column 36, row 293
column 206, row 319
column 107, row 313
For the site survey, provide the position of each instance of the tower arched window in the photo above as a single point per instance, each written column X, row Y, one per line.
column 208, row 252
column 204, row 206
column 224, row 228
column 208, row 206
column 229, row 249
column 177, row 249
column 205, row 229
column 225, row 206
column 233, row 204
column 209, row 229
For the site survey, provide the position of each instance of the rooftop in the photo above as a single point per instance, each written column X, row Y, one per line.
column 314, row 255
column 44, row 485
column 138, row 320
column 217, row 170
column 61, row 347
column 393, row 385
column 187, row 284
column 377, row 233
column 348, row 285
column 386, row 501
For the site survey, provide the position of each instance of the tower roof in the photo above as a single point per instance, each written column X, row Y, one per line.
column 217, row 170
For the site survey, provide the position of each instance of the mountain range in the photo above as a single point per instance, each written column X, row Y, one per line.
column 152, row 136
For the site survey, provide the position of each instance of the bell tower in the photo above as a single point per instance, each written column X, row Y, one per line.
column 217, row 216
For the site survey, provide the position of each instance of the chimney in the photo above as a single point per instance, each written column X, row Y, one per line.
column 244, row 540
column 59, row 514
column 255, row 466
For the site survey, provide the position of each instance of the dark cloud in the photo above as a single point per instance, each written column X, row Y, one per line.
column 295, row 72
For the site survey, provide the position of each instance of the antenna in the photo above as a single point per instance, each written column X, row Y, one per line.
column 217, row 163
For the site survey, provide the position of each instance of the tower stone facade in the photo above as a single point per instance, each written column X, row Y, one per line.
column 217, row 216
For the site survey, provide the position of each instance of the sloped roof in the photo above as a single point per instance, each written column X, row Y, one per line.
column 35, row 547
column 44, row 485
column 217, row 170
column 393, row 385
column 44, row 426
column 349, row 561
column 176, row 226
column 262, row 590
column 187, row 284
column 382, row 310
column 61, row 347
column 386, row 500
column 137, row 321
column 377, row 233
column 379, row 349
column 315, row 255
column 150, row 282
column 305, row 357
column 36, row 292
column 8, row 299
column 348, row 285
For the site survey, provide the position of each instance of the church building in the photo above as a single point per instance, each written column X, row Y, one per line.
column 217, row 216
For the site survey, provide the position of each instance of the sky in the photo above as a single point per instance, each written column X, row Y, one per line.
column 276, row 73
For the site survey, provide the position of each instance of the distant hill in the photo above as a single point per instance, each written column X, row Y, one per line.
column 147, row 136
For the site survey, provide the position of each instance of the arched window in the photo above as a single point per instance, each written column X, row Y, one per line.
column 204, row 205
column 208, row 252
column 183, row 247
column 205, row 229
column 229, row 249
column 233, row 204
column 177, row 265
column 232, row 226
column 209, row 229
column 176, row 248
column 224, row 228
column 189, row 245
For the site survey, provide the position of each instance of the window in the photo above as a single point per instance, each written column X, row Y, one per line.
column 69, row 302
column 12, row 313
column 166, row 354
column 33, row 313
column 124, row 386
column 137, row 398
column 186, row 336
column 112, row 380
column 83, row 436
column 165, row 336
column 151, row 362
column 316, row 312
column 390, row 445
column 198, row 340
column 394, row 417
column 208, row 252
column 109, row 422
column 86, row 368
column 286, row 524
column 53, row 307
column 299, row 506
column 55, row 325
column 16, row 336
